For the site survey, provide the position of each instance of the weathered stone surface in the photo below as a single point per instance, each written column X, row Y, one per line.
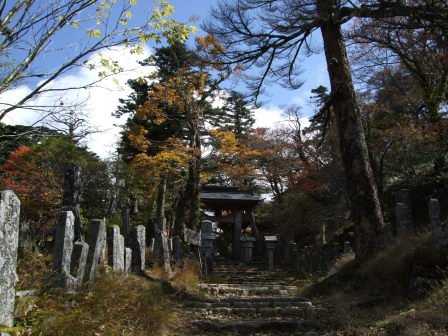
column 404, row 228
column 152, row 244
column 29, row 292
column 271, row 244
column 127, row 259
column 115, row 247
column 192, row 237
column 250, row 326
column 79, row 261
column 137, row 242
column 439, row 232
column 177, row 249
column 71, row 196
column 208, row 249
column 63, row 242
column 247, row 246
column 96, row 238
column 9, row 240
column 403, row 213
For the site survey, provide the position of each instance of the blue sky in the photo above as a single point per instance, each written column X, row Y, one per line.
column 314, row 67
column 103, row 100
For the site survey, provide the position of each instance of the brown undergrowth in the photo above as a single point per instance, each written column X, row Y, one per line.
column 376, row 298
column 117, row 304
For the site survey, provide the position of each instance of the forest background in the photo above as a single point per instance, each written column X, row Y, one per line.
column 186, row 130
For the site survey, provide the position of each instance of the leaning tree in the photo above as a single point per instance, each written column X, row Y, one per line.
column 273, row 35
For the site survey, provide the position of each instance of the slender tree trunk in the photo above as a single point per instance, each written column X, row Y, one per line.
column 361, row 189
column 161, row 251
column 187, row 213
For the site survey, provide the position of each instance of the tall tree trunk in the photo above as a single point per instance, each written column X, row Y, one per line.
column 361, row 188
column 187, row 213
column 161, row 251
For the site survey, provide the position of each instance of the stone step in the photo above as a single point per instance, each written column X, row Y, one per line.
column 259, row 299
column 245, row 286
column 245, row 280
column 248, row 290
column 243, row 271
column 265, row 312
column 252, row 304
column 250, row 275
column 250, row 326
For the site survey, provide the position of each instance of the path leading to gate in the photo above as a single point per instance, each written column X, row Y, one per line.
column 247, row 299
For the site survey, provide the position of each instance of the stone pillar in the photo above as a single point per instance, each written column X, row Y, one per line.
column 127, row 259
column 137, row 242
column 79, row 261
column 403, row 223
column 72, row 194
column 152, row 244
column 405, row 212
column 271, row 243
column 208, row 245
column 177, row 249
column 439, row 232
column 9, row 243
column 63, row 243
column 247, row 246
column 237, row 235
column 115, row 248
column 125, row 213
column 96, row 238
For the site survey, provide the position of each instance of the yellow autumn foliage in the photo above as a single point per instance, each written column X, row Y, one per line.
column 235, row 160
column 136, row 136
column 172, row 157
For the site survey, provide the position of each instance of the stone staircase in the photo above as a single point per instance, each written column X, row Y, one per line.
column 245, row 298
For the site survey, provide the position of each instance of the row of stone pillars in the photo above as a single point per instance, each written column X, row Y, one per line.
column 75, row 262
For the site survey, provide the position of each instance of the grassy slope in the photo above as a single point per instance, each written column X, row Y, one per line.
column 376, row 299
column 116, row 305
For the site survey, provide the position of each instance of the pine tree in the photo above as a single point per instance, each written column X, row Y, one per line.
column 234, row 116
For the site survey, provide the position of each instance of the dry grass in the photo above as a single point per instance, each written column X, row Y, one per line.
column 32, row 270
column 404, row 311
column 390, row 268
column 341, row 262
column 116, row 305
column 187, row 278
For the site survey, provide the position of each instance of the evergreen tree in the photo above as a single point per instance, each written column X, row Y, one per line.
column 234, row 116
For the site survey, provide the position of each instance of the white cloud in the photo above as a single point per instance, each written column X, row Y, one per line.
column 103, row 99
column 268, row 117
column 100, row 101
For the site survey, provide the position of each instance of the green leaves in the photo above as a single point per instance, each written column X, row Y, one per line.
column 93, row 33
